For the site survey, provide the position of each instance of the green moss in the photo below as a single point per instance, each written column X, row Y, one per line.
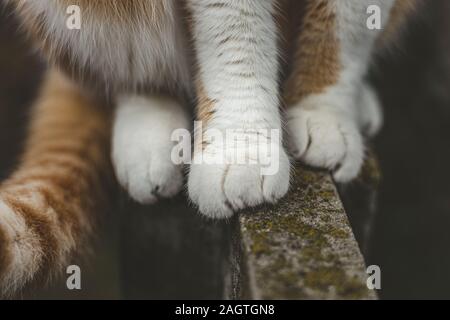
column 308, row 229
column 325, row 278
column 337, row 233
column 329, row 273
column 305, row 176
column 327, row 195
column 260, row 245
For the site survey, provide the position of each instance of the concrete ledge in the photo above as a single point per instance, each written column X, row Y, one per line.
column 303, row 248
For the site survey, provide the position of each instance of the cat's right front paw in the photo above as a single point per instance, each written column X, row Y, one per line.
column 326, row 137
column 145, row 170
column 219, row 190
column 142, row 147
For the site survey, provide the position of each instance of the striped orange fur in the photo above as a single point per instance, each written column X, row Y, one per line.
column 316, row 64
column 57, row 187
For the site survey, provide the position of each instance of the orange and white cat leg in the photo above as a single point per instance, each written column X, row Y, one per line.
column 236, row 45
column 19, row 261
column 142, row 146
column 49, row 205
column 322, row 93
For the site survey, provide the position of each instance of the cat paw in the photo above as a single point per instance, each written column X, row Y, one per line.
column 219, row 190
column 326, row 138
column 147, row 173
column 370, row 113
column 142, row 147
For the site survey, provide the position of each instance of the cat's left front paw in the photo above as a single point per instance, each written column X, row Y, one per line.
column 221, row 189
column 325, row 136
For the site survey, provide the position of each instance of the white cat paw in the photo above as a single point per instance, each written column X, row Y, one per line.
column 326, row 138
column 147, row 173
column 219, row 190
column 370, row 113
column 142, row 147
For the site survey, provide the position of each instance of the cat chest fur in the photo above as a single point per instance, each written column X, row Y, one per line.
column 141, row 44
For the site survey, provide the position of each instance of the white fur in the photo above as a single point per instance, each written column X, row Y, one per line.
column 142, row 146
column 143, row 126
column 325, row 128
column 236, row 44
column 240, row 78
column 159, row 56
column 322, row 136
column 370, row 113
column 223, row 188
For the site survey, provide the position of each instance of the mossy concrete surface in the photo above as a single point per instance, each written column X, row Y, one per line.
column 303, row 248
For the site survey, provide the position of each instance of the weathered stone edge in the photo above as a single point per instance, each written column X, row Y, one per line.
column 303, row 248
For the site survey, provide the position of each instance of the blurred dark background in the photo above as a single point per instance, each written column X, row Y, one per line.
column 411, row 235
column 412, row 227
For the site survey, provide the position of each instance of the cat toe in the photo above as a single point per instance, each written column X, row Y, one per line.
column 148, row 177
column 219, row 190
column 147, row 185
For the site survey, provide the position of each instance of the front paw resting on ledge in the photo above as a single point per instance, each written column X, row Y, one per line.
column 227, row 177
column 142, row 146
column 326, row 135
